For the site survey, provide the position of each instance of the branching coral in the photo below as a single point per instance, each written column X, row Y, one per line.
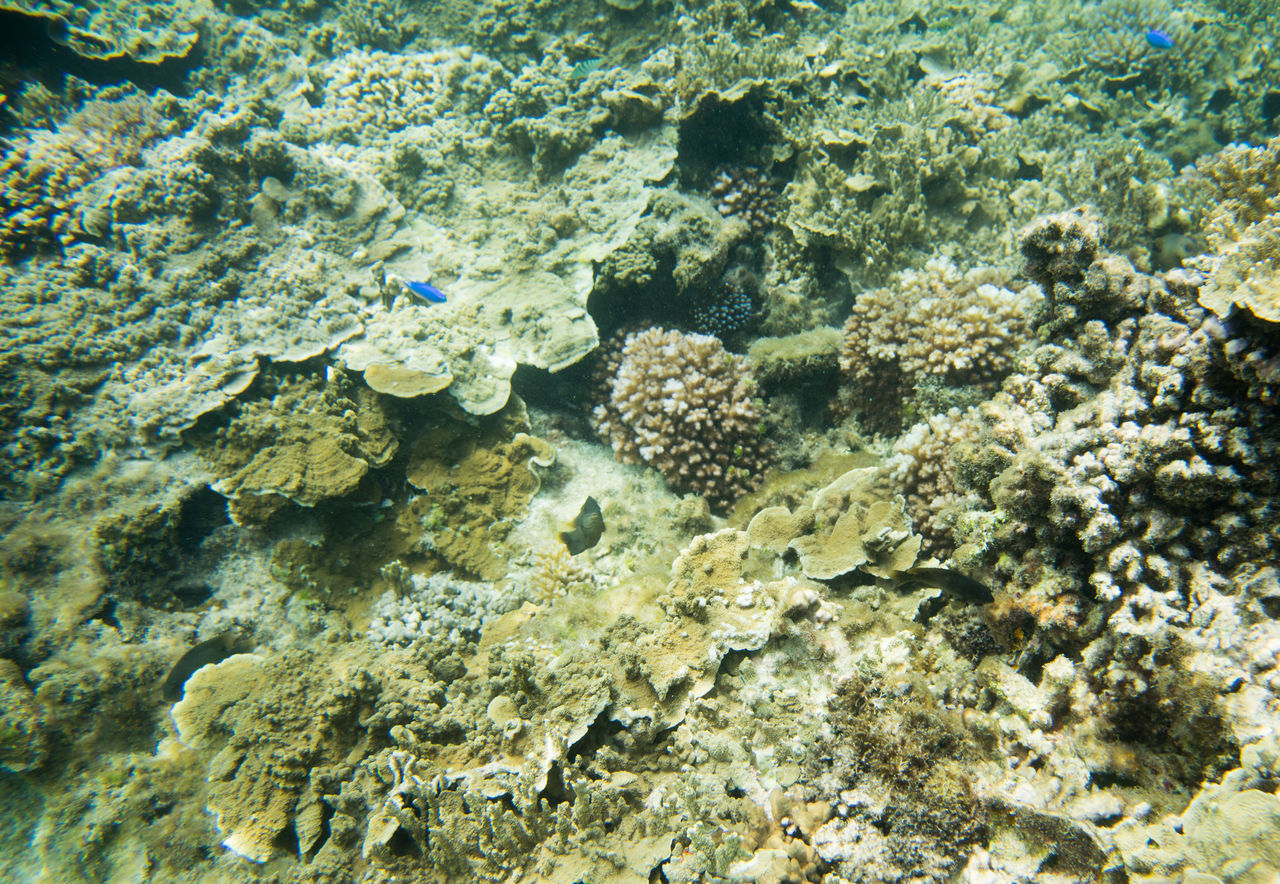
column 923, row 469
column 684, row 405
column 1059, row 248
column 747, row 192
column 43, row 173
column 936, row 324
column 1122, row 464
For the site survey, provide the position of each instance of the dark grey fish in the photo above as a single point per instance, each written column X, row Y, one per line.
column 213, row 650
column 586, row 530
column 952, row 582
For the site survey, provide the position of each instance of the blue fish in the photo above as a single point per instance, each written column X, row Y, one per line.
column 425, row 290
column 1158, row 39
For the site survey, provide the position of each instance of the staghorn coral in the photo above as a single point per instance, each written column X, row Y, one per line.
column 684, row 405
column 935, row 324
column 555, row 573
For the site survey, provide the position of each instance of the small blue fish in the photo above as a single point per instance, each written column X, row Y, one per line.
column 1158, row 39
column 425, row 291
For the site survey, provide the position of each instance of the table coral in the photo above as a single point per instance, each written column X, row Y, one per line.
column 684, row 405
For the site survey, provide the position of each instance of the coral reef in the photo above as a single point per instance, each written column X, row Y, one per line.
column 1243, row 229
column 1016, row 619
column 896, row 186
column 924, row 818
column 1059, row 248
column 683, row 405
column 748, row 193
column 473, row 488
column 727, row 312
column 1129, row 452
column 40, row 191
column 837, row 533
column 680, row 249
column 936, row 324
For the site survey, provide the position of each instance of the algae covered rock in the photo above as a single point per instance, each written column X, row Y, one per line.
column 24, row 744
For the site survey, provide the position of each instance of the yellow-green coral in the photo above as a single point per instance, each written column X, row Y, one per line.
column 1243, row 229
column 474, row 484
column 41, row 176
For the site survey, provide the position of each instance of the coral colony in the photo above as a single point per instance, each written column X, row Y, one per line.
column 628, row 442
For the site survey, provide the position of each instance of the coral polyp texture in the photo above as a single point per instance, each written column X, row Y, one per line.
column 1243, row 228
column 1131, row 452
column 748, row 193
column 685, row 406
column 923, row 468
column 935, row 325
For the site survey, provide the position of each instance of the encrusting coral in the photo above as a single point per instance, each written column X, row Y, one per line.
column 685, row 406
column 265, row 460
column 474, row 483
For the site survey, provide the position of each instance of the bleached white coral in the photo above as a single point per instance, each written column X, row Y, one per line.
column 439, row 608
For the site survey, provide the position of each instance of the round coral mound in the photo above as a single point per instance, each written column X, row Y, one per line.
column 684, row 405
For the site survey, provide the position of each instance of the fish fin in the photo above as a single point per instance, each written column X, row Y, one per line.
column 573, row 540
